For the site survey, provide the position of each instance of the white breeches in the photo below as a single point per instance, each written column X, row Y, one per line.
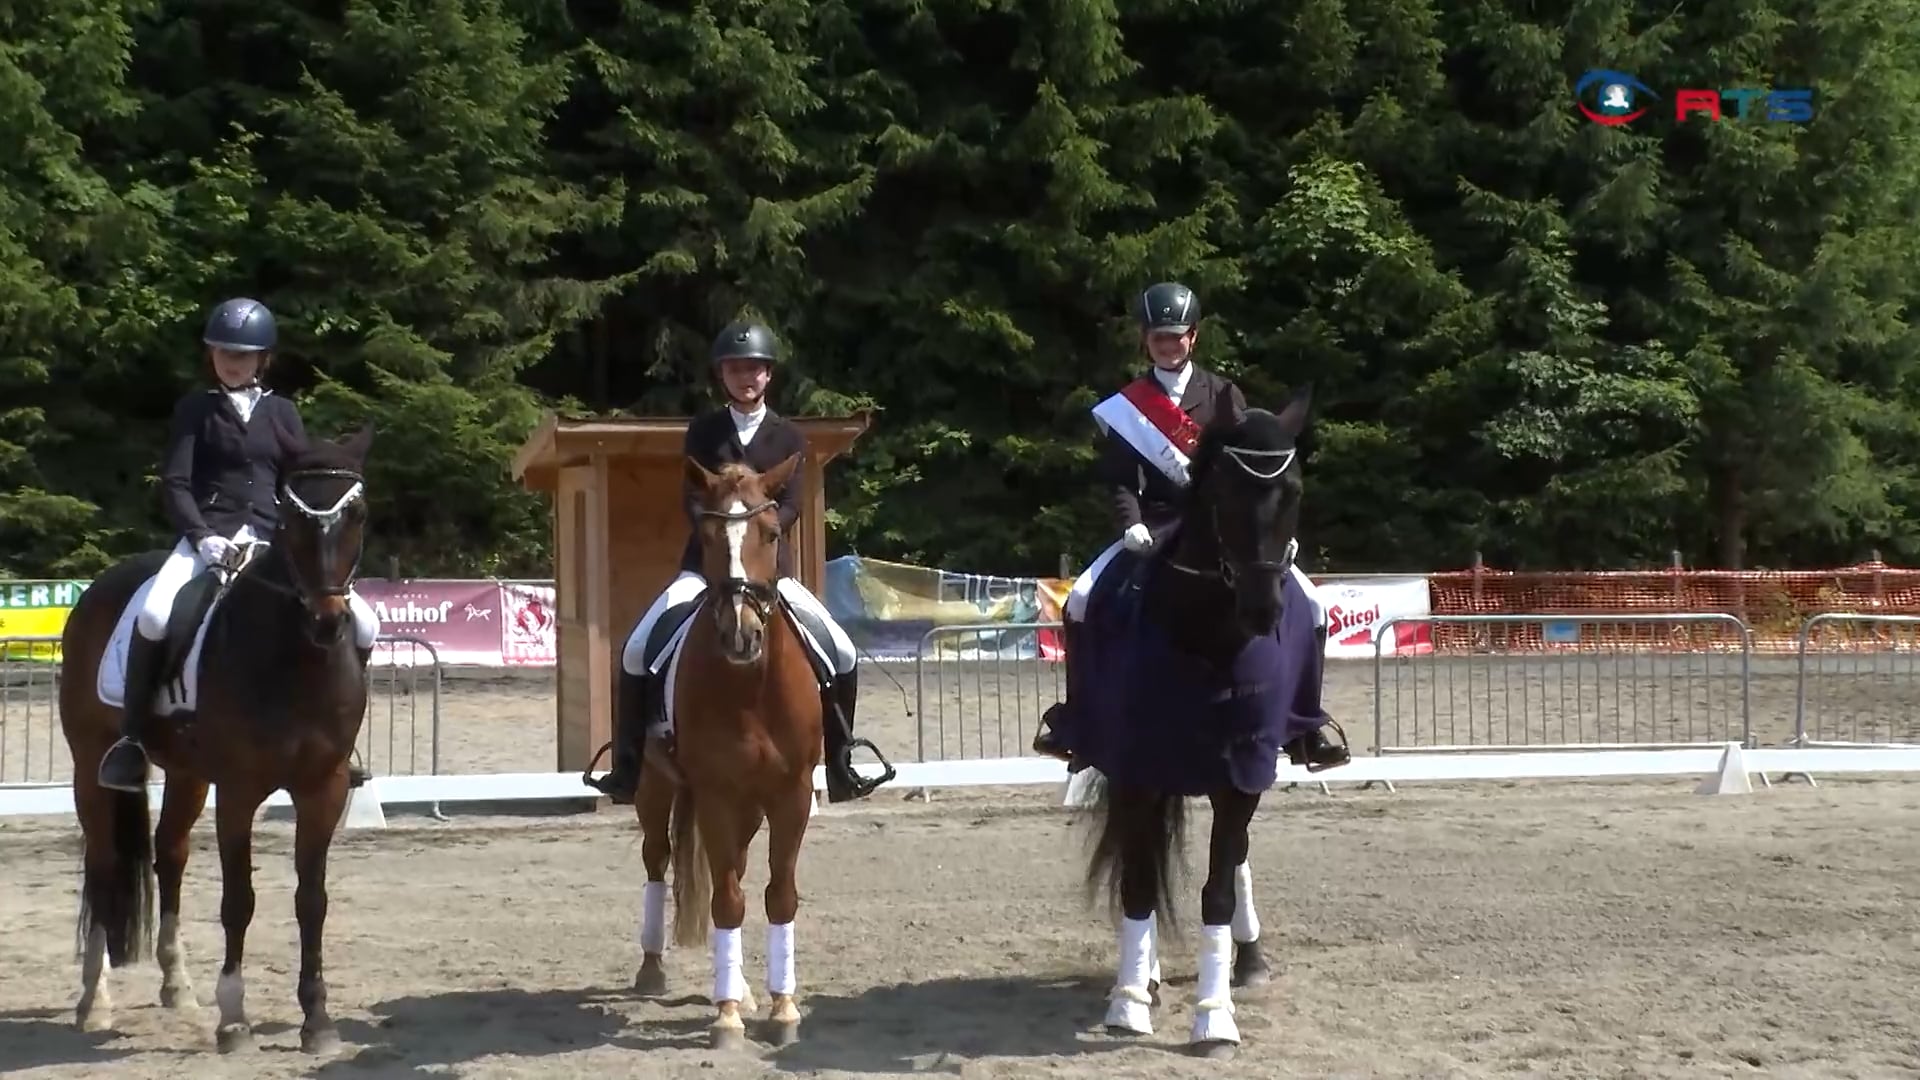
column 689, row 586
column 840, row 649
column 1076, row 605
column 184, row 564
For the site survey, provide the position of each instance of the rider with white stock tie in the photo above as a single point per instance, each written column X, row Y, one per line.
column 219, row 480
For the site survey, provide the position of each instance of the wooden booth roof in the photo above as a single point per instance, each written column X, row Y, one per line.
column 560, row 441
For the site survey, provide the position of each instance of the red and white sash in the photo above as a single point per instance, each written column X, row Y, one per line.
column 1153, row 424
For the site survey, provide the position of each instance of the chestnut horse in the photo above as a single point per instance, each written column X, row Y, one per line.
column 747, row 737
column 282, row 689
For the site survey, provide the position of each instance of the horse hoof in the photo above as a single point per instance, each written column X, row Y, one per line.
column 1250, row 966
column 320, row 1043
column 1153, row 993
column 94, row 1020
column 650, row 981
column 1214, row 1050
column 727, row 1039
column 234, row 1037
column 179, row 999
column 783, row 1032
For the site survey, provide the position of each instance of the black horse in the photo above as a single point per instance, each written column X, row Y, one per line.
column 282, row 690
column 1203, row 661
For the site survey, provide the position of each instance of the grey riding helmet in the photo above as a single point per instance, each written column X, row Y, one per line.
column 1168, row 308
column 241, row 324
column 743, row 340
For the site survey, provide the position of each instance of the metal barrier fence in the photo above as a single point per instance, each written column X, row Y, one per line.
column 393, row 740
column 977, row 695
column 1858, row 680
column 1508, row 683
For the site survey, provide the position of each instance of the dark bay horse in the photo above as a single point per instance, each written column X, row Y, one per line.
column 1203, row 663
column 747, row 737
column 282, row 688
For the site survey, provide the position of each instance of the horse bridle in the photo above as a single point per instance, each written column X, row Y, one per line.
column 759, row 595
column 326, row 519
column 1226, row 574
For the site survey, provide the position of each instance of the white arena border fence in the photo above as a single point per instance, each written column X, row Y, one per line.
column 1725, row 768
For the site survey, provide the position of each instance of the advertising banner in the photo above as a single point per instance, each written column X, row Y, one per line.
column 1356, row 608
column 460, row 619
column 36, row 609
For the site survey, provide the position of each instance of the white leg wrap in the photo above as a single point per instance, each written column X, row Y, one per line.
column 1153, row 950
column 1129, row 1005
column 780, row 978
column 729, row 982
column 1213, row 1009
column 1246, row 921
column 230, row 992
column 653, row 917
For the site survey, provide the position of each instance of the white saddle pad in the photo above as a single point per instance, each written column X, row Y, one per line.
column 176, row 696
column 672, row 654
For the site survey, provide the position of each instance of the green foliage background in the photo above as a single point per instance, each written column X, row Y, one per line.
column 1561, row 344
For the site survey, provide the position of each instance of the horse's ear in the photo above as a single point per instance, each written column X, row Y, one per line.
column 774, row 480
column 360, row 442
column 1294, row 417
column 699, row 477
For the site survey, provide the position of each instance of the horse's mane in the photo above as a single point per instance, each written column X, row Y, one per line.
column 324, row 454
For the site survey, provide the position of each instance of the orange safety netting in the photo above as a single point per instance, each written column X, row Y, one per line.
column 1774, row 604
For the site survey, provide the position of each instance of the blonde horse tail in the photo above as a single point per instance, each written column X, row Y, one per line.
column 692, row 887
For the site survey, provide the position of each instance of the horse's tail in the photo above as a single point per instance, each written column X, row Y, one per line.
column 692, row 888
column 116, row 894
column 1138, row 835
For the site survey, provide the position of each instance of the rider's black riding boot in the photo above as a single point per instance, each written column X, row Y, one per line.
column 622, row 782
column 124, row 768
column 842, row 695
column 1315, row 750
column 1048, row 742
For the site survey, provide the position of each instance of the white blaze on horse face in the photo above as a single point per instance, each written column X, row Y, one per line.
column 737, row 567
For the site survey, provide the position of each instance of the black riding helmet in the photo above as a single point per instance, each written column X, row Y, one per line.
column 743, row 340
column 1168, row 308
column 241, row 324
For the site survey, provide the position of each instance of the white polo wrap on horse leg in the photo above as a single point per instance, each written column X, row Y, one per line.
column 1153, row 950
column 366, row 624
column 1246, row 921
column 840, row 648
column 653, row 917
column 780, row 977
column 1130, row 1005
column 729, row 982
column 1213, row 1006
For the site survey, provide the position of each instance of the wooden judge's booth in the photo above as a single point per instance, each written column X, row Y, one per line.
column 619, row 529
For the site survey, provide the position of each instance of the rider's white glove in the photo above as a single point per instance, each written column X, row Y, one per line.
column 215, row 550
column 1137, row 538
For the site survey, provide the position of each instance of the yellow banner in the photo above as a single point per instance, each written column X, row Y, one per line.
column 35, row 609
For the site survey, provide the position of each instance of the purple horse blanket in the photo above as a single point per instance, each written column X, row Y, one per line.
column 1149, row 715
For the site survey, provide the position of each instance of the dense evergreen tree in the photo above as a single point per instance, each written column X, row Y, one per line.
column 1558, row 343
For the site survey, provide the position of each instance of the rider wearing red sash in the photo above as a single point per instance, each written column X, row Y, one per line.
column 1151, row 429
